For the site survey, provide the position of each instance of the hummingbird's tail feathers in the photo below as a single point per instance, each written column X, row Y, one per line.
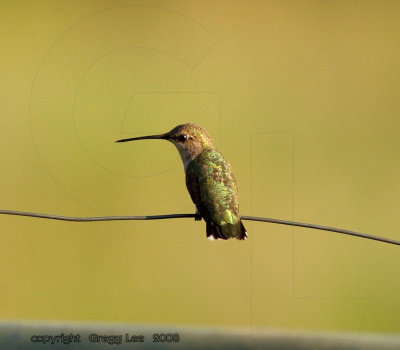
column 242, row 231
column 215, row 232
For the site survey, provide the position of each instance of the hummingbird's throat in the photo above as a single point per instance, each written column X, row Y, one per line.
column 185, row 154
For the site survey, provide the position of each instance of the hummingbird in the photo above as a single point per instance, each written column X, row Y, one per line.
column 209, row 180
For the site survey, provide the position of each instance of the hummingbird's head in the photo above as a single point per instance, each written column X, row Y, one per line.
column 190, row 140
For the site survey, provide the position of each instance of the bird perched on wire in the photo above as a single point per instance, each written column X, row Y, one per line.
column 209, row 180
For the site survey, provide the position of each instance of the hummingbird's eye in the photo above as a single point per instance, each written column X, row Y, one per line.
column 182, row 138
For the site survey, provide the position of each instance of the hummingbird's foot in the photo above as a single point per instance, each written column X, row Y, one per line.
column 197, row 216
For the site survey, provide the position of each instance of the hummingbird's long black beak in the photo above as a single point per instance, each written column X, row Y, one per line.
column 151, row 137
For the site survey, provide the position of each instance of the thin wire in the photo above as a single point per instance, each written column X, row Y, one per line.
column 178, row 216
column 324, row 228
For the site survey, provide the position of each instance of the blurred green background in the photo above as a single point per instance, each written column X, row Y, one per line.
column 302, row 97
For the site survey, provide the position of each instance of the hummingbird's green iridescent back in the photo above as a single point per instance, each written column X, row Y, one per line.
column 214, row 191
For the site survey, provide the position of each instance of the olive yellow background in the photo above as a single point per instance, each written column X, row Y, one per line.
column 303, row 99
